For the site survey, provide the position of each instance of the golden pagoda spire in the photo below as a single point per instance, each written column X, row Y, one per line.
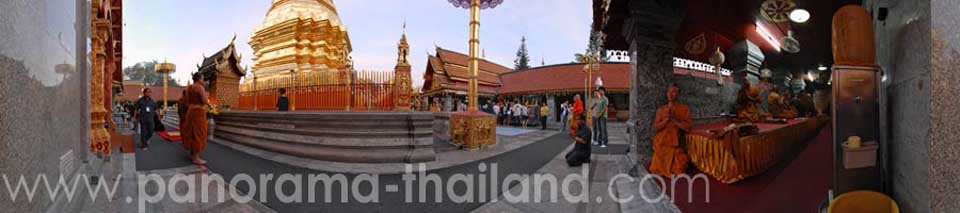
column 304, row 36
column 403, row 49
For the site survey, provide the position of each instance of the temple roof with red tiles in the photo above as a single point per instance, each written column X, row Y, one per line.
column 568, row 78
column 446, row 72
column 563, row 78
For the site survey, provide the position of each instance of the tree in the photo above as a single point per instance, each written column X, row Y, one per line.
column 144, row 71
column 594, row 46
column 523, row 60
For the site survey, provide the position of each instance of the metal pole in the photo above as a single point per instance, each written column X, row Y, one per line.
column 474, row 52
column 164, row 92
column 255, row 92
column 293, row 90
column 588, row 95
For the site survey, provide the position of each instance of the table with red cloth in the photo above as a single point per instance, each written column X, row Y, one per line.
column 731, row 159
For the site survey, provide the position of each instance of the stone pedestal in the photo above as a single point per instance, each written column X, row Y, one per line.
column 473, row 129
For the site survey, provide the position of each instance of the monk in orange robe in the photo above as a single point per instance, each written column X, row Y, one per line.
column 194, row 130
column 577, row 111
column 747, row 100
column 671, row 122
column 780, row 106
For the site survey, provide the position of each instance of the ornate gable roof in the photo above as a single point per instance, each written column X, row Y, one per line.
column 228, row 56
column 454, row 66
column 447, row 71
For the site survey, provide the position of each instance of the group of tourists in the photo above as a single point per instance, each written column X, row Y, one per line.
column 573, row 115
column 522, row 113
column 192, row 109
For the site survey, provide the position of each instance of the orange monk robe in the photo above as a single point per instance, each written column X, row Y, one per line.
column 181, row 112
column 577, row 108
column 747, row 100
column 577, row 111
column 780, row 107
column 194, row 130
column 669, row 158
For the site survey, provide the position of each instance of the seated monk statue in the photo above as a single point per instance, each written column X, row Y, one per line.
column 805, row 106
column 670, row 123
column 747, row 100
column 780, row 106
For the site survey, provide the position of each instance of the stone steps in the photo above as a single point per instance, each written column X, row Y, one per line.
column 394, row 154
column 354, row 137
column 332, row 125
column 285, row 136
column 335, row 132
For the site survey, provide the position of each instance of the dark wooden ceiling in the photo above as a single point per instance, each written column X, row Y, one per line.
column 728, row 21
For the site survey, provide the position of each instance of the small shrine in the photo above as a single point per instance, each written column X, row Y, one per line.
column 222, row 72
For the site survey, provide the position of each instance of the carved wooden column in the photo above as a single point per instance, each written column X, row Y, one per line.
column 100, row 26
column 650, row 31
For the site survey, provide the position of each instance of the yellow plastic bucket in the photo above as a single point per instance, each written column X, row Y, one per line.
column 863, row 201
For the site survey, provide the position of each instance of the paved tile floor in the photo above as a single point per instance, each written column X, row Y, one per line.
column 605, row 175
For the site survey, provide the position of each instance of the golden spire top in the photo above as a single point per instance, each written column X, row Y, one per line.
column 403, row 49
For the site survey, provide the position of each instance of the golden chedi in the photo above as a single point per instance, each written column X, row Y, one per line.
column 302, row 38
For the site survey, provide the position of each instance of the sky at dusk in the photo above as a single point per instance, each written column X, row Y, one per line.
column 183, row 31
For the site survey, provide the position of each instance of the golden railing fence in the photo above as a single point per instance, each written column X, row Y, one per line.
column 323, row 91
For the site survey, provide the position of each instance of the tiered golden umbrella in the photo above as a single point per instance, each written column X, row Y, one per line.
column 474, row 129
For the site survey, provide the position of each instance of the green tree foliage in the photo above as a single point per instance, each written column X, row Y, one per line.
column 594, row 46
column 144, row 71
column 523, row 59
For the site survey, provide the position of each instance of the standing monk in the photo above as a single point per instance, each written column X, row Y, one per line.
column 577, row 110
column 672, row 120
column 195, row 125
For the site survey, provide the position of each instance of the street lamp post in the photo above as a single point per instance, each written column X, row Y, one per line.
column 592, row 65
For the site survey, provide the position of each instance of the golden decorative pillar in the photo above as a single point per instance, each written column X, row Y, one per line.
column 402, row 82
column 474, row 129
column 165, row 69
column 99, row 35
